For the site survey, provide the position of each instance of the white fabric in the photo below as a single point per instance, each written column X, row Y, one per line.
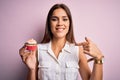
column 65, row 67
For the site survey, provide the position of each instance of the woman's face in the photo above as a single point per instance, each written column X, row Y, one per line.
column 59, row 23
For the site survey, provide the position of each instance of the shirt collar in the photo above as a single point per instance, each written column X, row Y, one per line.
column 67, row 47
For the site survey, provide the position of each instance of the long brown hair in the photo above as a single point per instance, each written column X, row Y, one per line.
column 48, row 34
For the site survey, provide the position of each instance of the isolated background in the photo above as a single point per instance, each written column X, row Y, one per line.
column 21, row 20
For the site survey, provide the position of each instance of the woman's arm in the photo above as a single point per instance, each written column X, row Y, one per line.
column 32, row 75
column 30, row 59
column 91, row 49
column 84, row 68
column 97, row 72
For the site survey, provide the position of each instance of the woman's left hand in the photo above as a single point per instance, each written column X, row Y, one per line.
column 91, row 49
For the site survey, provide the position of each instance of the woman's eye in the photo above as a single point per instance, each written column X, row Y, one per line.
column 65, row 19
column 54, row 19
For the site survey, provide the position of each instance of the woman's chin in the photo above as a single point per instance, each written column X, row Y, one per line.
column 60, row 36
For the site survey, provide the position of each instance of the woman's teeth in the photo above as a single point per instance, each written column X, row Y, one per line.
column 59, row 29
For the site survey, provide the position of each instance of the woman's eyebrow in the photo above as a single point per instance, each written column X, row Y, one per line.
column 65, row 16
column 57, row 17
column 54, row 17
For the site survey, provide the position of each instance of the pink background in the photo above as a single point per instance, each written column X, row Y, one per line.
column 21, row 20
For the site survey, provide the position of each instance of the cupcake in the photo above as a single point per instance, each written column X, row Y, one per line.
column 31, row 45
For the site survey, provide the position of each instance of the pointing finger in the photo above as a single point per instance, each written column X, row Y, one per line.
column 87, row 39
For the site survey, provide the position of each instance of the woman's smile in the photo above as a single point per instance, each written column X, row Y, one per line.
column 60, row 29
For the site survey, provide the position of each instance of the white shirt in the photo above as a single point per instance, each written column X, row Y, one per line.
column 65, row 67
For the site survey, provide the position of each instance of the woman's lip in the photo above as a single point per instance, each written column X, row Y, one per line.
column 60, row 29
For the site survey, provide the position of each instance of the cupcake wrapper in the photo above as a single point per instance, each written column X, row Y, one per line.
column 32, row 48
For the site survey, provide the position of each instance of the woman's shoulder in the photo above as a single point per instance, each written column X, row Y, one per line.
column 43, row 45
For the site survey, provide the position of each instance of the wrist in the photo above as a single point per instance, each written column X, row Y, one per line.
column 99, row 60
column 32, row 70
column 99, row 57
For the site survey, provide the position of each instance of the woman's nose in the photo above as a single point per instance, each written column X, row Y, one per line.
column 60, row 22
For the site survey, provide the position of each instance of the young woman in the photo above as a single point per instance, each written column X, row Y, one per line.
column 58, row 57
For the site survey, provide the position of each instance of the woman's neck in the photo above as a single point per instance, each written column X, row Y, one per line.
column 57, row 45
column 58, row 42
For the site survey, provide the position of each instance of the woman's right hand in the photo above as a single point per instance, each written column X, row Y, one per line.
column 29, row 57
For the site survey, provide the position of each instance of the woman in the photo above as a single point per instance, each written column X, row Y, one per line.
column 58, row 56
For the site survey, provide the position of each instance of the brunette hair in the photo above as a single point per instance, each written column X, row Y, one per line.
column 48, row 34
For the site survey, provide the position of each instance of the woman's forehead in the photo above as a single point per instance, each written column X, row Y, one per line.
column 59, row 12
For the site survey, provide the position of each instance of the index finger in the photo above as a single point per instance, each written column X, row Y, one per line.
column 88, row 39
